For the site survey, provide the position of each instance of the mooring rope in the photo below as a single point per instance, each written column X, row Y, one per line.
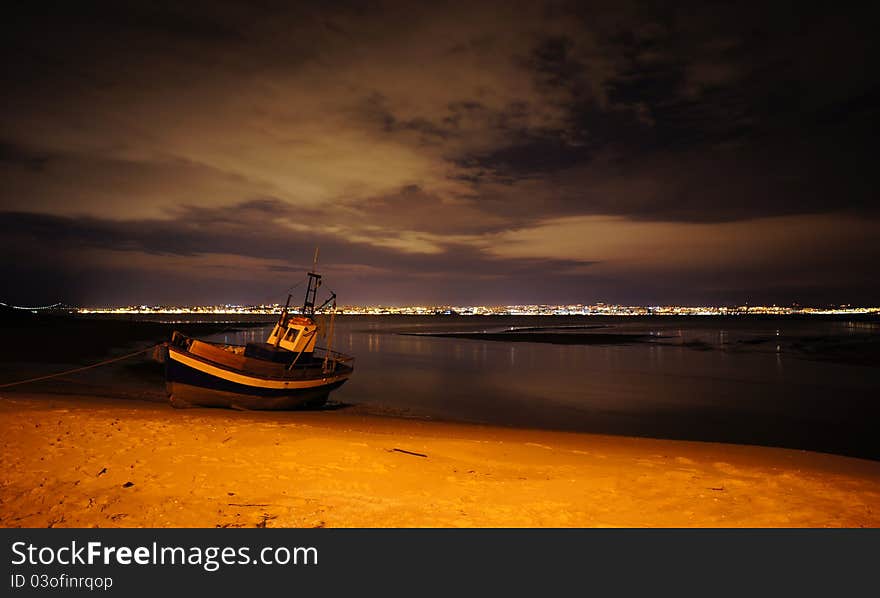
column 86, row 367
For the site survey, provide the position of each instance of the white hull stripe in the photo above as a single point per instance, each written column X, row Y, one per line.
column 246, row 380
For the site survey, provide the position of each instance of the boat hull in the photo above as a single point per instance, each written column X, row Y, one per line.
column 191, row 381
column 183, row 396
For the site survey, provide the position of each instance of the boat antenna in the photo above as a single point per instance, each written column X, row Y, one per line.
column 281, row 321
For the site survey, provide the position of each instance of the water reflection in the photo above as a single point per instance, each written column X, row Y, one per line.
column 694, row 380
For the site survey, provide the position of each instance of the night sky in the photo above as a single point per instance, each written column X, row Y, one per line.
column 473, row 152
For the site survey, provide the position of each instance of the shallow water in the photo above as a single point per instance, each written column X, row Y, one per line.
column 781, row 382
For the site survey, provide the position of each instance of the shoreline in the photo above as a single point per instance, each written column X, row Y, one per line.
column 126, row 394
column 95, row 462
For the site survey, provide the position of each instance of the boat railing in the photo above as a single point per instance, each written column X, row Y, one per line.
column 321, row 353
column 321, row 361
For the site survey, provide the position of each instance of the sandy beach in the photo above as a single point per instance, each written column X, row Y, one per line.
column 71, row 461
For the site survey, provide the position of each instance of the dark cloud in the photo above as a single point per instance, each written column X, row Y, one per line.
column 16, row 156
column 458, row 142
column 248, row 244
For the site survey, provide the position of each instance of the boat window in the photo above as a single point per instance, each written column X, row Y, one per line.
column 291, row 334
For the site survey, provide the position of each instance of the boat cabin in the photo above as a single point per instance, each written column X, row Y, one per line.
column 294, row 337
column 296, row 334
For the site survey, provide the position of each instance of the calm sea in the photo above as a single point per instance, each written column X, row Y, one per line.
column 800, row 383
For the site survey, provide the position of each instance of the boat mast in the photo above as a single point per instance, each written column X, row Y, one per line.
column 312, row 290
column 329, row 354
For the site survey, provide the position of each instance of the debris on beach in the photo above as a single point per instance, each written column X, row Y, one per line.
column 399, row 450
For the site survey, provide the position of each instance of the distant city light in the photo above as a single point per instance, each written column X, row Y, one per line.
column 598, row 309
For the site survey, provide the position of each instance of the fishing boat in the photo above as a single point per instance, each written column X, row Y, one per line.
column 288, row 371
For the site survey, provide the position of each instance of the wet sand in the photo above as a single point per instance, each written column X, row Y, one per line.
column 88, row 462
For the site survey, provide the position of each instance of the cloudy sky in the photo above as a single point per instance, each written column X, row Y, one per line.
column 472, row 152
